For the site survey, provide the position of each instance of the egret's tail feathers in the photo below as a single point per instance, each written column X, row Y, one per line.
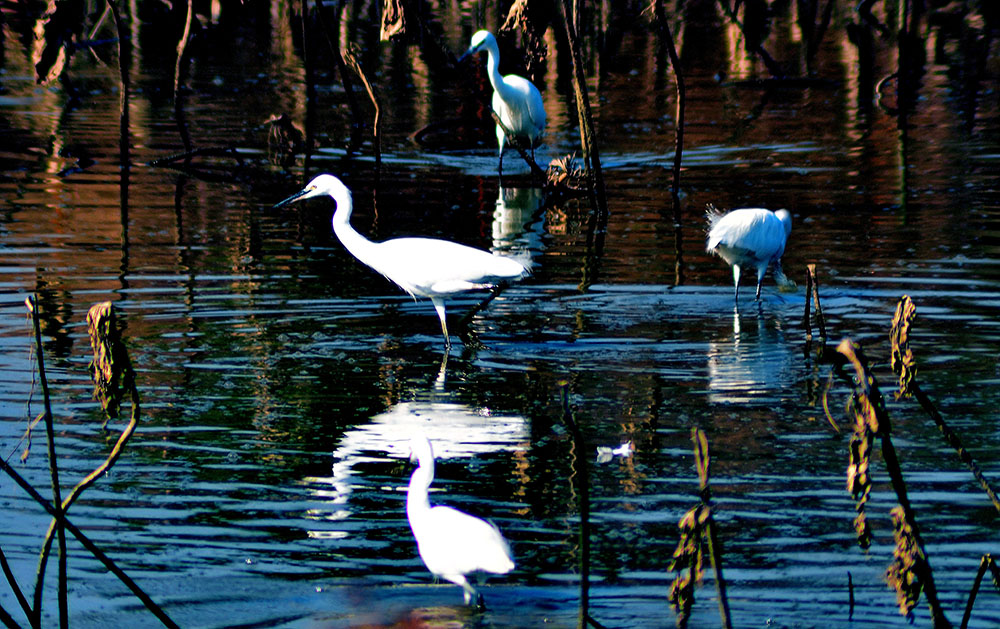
column 713, row 214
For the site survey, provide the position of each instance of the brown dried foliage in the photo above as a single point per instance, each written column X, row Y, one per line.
column 111, row 368
column 532, row 18
column 903, row 362
column 688, row 562
column 858, row 480
column 909, row 565
column 866, row 427
column 564, row 172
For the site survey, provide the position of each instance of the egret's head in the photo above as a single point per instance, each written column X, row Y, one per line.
column 421, row 451
column 323, row 184
column 786, row 220
column 480, row 41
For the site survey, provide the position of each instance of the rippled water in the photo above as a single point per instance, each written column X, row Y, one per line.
column 280, row 378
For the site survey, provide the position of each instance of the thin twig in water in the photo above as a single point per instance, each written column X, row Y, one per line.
column 904, row 365
column 987, row 563
column 32, row 305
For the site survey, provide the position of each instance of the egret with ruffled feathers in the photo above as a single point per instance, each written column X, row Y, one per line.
column 750, row 237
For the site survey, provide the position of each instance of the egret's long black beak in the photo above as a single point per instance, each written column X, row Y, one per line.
column 292, row 199
column 468, row 53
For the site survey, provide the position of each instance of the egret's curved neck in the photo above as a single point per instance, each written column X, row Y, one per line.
column 351, row 239
column 493, row 68
column 420, row 483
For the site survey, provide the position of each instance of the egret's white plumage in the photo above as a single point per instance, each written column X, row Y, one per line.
column 516, row 100
column 452, row 544
column 428, row 267
column 750, row 237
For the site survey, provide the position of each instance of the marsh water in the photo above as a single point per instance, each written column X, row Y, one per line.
column 280, row 378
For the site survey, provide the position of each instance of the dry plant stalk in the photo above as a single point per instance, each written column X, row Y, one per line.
column 688, row 562
column 698, row 536
column 114, row 378
column 869, row 409
column 866, row 426
column 987, row 563
column 905, row 366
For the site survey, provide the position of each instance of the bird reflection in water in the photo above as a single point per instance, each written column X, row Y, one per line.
column 756, row 362
column 518, row 225
column 457, row 430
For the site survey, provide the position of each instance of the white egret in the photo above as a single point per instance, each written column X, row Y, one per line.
column 516, row 101
column 452, row 544
column 428, row 267
column 750, row 237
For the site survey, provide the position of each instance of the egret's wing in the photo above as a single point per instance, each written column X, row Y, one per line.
column 431, row 266
column 529, row 110
column 755, row 232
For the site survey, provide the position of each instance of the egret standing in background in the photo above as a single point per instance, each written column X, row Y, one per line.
column 429, row 267
column 452, row 544
column 516, row 101
column 750, row 237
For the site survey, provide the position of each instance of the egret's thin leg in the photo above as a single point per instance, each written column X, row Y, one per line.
column 464, row 321
column 736, row 282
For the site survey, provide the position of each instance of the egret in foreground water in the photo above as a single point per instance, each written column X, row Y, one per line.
column 750, row 237
column 428, row 267
column 452, row 544
column 516, row 101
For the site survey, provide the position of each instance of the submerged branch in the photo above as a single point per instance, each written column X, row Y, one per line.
column 88, row 544
column 536, row 170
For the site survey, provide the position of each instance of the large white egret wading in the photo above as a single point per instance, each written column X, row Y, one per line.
column 516, row 100
column 452, row 544
column 750, row 237
column 428, row 267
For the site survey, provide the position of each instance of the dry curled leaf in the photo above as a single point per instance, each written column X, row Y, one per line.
column 906, row 573
column 903, row 362
column 110, row 368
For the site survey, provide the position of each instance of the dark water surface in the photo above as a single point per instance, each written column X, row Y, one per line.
column 281, row 378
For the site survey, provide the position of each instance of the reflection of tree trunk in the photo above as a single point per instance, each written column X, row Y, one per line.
column 124, row 63
column 591, row 155
column 307, row 63
column 336, row 51
column 597, row 225
column 753, row 30
column 352, row 61
column 180, row 77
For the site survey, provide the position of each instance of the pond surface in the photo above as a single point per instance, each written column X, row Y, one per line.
column 281, row 379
